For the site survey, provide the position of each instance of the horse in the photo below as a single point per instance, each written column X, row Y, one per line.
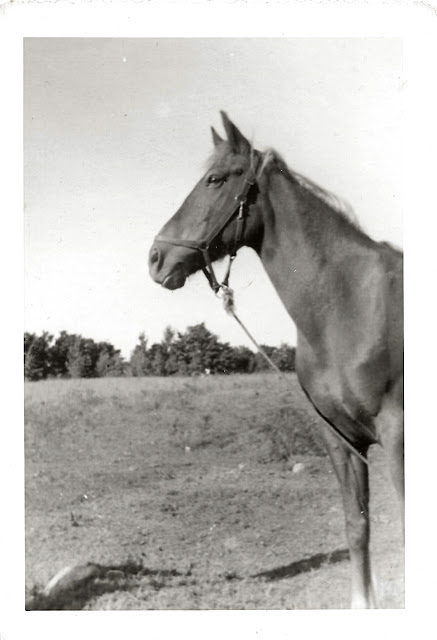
column 343, row 290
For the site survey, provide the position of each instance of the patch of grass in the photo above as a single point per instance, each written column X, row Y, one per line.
column 180, row 473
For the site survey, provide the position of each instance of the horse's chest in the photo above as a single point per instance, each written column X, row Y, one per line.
column 343, row 390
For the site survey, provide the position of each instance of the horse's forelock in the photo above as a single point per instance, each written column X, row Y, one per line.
column 220, row 153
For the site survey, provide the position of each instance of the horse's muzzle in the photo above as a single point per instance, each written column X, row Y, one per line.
column 169, row 276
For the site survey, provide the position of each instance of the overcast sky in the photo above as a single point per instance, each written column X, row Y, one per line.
column 117, row 133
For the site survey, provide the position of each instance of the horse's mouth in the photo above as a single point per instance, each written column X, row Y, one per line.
column 171, row 271
column 174, row 281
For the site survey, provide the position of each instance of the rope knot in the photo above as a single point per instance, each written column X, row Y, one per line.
column 228, row 299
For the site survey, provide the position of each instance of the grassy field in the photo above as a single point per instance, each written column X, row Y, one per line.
column 185, row 494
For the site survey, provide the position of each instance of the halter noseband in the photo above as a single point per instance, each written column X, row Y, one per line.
column 204, row 244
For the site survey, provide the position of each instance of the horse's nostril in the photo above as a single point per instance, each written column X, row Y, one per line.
column 154, row 255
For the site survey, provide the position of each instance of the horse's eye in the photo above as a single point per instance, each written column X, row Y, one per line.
column 216, row 179
column 239, row 172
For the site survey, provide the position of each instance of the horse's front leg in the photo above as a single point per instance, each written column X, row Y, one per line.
column 352, row 474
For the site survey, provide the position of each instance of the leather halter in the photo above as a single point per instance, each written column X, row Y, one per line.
column 204, row 244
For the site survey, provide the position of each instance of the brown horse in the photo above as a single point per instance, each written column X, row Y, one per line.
column 343, row 290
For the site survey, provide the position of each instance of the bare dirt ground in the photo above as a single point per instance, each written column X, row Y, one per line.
column 184, row 494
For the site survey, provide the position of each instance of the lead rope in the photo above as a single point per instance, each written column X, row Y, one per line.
column 229, row 306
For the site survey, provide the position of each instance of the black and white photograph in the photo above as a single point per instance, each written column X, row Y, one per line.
column 182, row 440
column 213, row 230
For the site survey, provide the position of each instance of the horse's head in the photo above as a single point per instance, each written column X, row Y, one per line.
column 218, row 216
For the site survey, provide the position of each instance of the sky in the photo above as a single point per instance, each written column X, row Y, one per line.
column 117, row 132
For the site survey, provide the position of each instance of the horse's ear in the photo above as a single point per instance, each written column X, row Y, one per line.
column 236, row 139
column 215, row 136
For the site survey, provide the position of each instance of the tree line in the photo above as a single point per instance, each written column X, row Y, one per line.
column 195, row 351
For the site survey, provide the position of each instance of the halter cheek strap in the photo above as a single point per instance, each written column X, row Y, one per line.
column 204, row 244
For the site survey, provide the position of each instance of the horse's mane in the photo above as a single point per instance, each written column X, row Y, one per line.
column 340, row 205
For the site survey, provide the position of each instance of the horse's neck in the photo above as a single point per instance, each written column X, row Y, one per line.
column 304, row 243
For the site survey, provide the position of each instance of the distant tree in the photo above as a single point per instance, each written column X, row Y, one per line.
column 29, row 339
column 285, row 357
column 78, row 361
column 103, row 364
column 91, row 351
column 76, row 357
column 82, row 358
column 109, row 363
column 172, row 362
column 139, row 357
column 169, row 336
column 172, row 351
column 198, row 349
column 157, row 359
column 59, row 354
column 195, row 365
column 191, row 352
column 37, row 355
column 237, row 360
